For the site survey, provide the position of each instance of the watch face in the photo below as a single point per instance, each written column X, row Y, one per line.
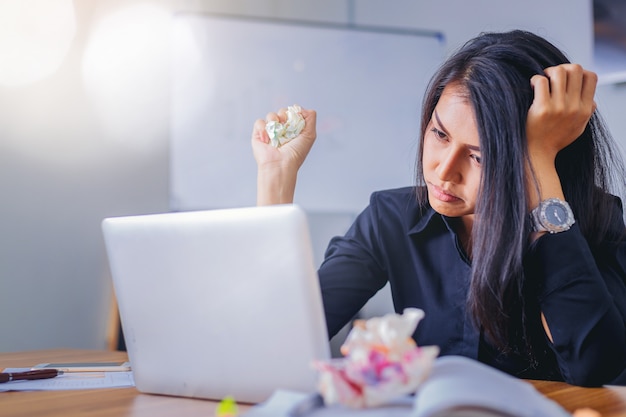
column 553, row 215
column 556, row 214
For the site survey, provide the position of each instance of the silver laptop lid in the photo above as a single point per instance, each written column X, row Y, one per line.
column 218, row 302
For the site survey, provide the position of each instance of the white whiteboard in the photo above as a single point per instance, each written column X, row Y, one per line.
column 365, row 84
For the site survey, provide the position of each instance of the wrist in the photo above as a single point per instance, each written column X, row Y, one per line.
column 553, row 215
column 275, row 185
column 543, row 181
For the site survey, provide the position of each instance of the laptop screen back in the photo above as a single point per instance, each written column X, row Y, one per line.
column 218, row 302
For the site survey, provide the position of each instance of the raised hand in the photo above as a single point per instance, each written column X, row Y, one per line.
column 278, row 167
column 558, row 115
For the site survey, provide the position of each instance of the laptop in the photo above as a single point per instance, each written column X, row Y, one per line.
column 218, row 303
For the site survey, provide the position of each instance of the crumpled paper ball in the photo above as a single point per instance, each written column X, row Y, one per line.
column 280, row 133
column 381, row 362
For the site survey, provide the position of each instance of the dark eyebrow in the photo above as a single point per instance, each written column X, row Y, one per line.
column 443, row 128
column 472, row 147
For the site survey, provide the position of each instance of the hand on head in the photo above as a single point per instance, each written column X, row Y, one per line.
column 561, row 109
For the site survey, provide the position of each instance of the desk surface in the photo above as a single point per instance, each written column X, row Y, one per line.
column 102, row 402
column 610, row 402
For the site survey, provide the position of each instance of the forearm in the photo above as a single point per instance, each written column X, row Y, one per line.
column 561, row 108
column 277, row 167
column 276, row 185
column 543, row 182
column 587, row 328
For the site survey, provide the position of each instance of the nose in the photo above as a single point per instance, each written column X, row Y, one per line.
column 449, row 168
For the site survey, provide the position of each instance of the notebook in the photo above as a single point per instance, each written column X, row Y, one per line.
column 218, row 303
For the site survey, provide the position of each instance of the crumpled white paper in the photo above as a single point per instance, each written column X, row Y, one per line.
column 280, row 133
column 381, row 362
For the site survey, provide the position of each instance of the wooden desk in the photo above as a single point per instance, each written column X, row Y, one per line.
column 610, row 402
column 99, row 403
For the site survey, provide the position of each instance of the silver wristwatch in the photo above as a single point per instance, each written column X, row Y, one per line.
column 552, row 215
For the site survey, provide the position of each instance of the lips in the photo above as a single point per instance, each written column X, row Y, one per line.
column 442, row 195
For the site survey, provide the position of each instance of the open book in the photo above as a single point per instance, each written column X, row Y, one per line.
column 459, row 386
column 456, row 387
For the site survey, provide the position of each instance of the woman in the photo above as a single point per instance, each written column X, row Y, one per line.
column 486, row 244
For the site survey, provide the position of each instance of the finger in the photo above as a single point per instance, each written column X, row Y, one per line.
column 309, row 114
column 589, row 84
column 272, row 117
column 282, row 114
column 310, row 117
column 558, row 83
column 308, row 133
column 541, row 89
column 574, row 74
column 258, row 132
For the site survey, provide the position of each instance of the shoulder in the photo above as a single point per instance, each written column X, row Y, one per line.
column 404, row 197
column 399, row 205
column 397, row 200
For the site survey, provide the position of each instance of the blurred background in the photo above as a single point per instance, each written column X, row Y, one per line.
column 86, row 131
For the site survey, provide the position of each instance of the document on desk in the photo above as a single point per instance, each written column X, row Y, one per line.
column 71, row 381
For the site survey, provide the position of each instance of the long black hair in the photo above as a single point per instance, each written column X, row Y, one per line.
column 495, row 70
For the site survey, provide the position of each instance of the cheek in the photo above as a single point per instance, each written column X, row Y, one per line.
column 472, row 187
column 429, row 156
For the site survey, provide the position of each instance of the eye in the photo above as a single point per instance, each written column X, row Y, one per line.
column 476, row 158
column 439, row 134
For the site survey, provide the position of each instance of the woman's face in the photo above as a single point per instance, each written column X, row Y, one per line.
column 451, row 158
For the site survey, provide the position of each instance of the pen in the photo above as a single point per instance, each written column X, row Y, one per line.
column 37, row 374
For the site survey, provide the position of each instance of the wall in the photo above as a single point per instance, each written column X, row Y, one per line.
column 91, row 140
column 64, row 167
